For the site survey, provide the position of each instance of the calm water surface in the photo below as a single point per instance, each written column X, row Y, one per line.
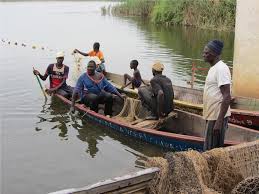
column 43, row 148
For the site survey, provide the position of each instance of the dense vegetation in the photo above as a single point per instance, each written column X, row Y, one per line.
column 216, row 14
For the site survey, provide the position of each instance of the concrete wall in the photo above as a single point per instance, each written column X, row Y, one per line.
column 246, row 52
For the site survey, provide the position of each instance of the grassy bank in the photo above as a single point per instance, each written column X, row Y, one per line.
column 141, row 8
column 215, row 14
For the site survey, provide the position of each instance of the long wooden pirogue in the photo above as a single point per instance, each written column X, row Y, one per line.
column 245, row 111
column 182, row 132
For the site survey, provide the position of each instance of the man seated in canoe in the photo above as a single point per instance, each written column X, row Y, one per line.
column 158, row 97
column 94, row 89
column 58, row 73
column 95, row 53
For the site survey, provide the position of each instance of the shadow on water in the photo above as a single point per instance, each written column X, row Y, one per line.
column 57, row 114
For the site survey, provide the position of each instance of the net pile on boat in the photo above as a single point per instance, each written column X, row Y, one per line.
column 132, row 111
column 135, row 114
column 216, row 171
column 249, row 185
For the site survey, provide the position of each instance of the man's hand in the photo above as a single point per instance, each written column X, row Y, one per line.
column 218, row 125
column 36, row 72
column 50, row 91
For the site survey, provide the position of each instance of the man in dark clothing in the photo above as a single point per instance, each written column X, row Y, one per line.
column 158, row 98
column 58, row 73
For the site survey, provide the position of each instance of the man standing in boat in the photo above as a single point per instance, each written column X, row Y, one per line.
column 158, row 97
column 95, row 52
column 216, row 97
column 58, row 73
column 94, row 89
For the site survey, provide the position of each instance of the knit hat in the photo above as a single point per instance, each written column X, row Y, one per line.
column 216, row 46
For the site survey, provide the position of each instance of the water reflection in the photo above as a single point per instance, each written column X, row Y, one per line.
column 55, row 116
column 91, row 135
column 183, row 45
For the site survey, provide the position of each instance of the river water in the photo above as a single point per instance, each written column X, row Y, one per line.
column 43, row 148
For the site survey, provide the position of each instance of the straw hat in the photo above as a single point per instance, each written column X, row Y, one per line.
column 60, row 54
column 158, row 66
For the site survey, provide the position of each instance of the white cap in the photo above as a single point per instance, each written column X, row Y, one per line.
column 60, row 54
column 96, row 60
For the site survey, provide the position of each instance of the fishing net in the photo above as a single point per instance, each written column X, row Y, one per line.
column 192, row 172
column 224, row 175
column 183, row 177
column 245, row 157
column 160, row 183
column 249, row 186
column 135, row 114
column 78, row 67
column 130, row 110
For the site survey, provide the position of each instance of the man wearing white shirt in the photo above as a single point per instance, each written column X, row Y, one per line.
column 216, row 97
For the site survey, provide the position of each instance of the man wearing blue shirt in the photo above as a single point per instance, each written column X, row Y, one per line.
column 94, row 89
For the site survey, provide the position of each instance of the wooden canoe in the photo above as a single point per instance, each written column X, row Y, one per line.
column 245, row 111
column 135, row 183
column 181, row 133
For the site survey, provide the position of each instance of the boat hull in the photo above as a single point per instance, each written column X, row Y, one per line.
column 168, row 140
column 244, row 119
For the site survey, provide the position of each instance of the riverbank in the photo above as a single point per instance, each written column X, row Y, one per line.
column 209, row 14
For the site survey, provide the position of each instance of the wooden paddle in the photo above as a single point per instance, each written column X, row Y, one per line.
column 41, row 86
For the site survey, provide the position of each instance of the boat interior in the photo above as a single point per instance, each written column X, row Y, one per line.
column 132, row 113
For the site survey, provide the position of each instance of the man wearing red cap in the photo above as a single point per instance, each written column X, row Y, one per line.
column 216, row 97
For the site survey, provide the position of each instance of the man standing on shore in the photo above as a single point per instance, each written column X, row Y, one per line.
column 216, row 97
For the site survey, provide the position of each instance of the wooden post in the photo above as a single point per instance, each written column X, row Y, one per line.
column 193, row 74
column 246, row 57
